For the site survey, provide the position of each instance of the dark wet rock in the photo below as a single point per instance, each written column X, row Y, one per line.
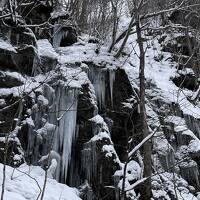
column 190, row 172
column 179, row 17
column 188, row 81
column 125, row 119
column 193, row 124
column 184, row 49
column 86, row 192
column 7, row 59
column 85, row 111
column 26, row 60
column 8, row 115
column 20, row 52
column 65, row 35
column 8, row 81
column 96, row 171
column 184, row 61
column 40, row 14
column 167, row 160
column 18, row 35
column 180, row 44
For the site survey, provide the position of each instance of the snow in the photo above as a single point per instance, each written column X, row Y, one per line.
column 14, row 75
column 100, row 136
column 2, row 102
column 160, row 73
column 25, row 183
column 161, row 145
column 195, row 94
column 45, row 49
column 180, row 127
column 97, row 119
column 30, row 122
column 55, row 14
column 52, row 168
column 7, row 46
column 133, row 171
column 66, row 91
column 101, row 131
column 75, row 76
column 178, row 121
column 72, row 77
column 194, row 146
column 97, row 68
column 99, row 127
column 43, row 100
column 83, row 51
column 45, row 129
column 109, row 149
column 164, row 183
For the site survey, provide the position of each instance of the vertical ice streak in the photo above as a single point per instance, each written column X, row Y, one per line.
column 111, row 81
column 66, row 110
column 57, row 36
column 98, row 79
column 102, row 80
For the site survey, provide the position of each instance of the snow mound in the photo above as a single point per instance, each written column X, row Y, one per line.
column 45, row 49
column 26, row 183
column 7, row 46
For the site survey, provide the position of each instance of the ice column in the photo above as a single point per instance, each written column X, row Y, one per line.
column 111, row 81
column 65, row 108
column 98, row 78
column 102, row 79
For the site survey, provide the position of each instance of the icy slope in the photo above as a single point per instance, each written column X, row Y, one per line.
column 160, row 73
column 26, row 183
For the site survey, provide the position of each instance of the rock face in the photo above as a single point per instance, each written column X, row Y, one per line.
column 53, row 116
column 9, row 80
column 15, row 155
column 180, row 18
column 18, row 51
column 80, row 116
column 61, row 117
column 181, row 130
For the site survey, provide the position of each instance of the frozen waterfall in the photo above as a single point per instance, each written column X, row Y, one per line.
column 102, row 80
column 65, row 108
column 53, row 127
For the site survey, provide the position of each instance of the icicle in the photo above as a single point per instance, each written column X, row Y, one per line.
column 65, row 107
column 193, row 124
column 30, row 146
column 35, row 69
column 21, row 106
column 117, row 190
column 89, row 165
column 57, row 36
column 167, row 160
column 111, row 81
column 49, row 133
column 190, row 172
column 98, row 78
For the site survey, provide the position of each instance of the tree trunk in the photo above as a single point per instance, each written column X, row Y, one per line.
column 123, row 192
column 146, row 189
column 115, row 25
column 126, row 38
